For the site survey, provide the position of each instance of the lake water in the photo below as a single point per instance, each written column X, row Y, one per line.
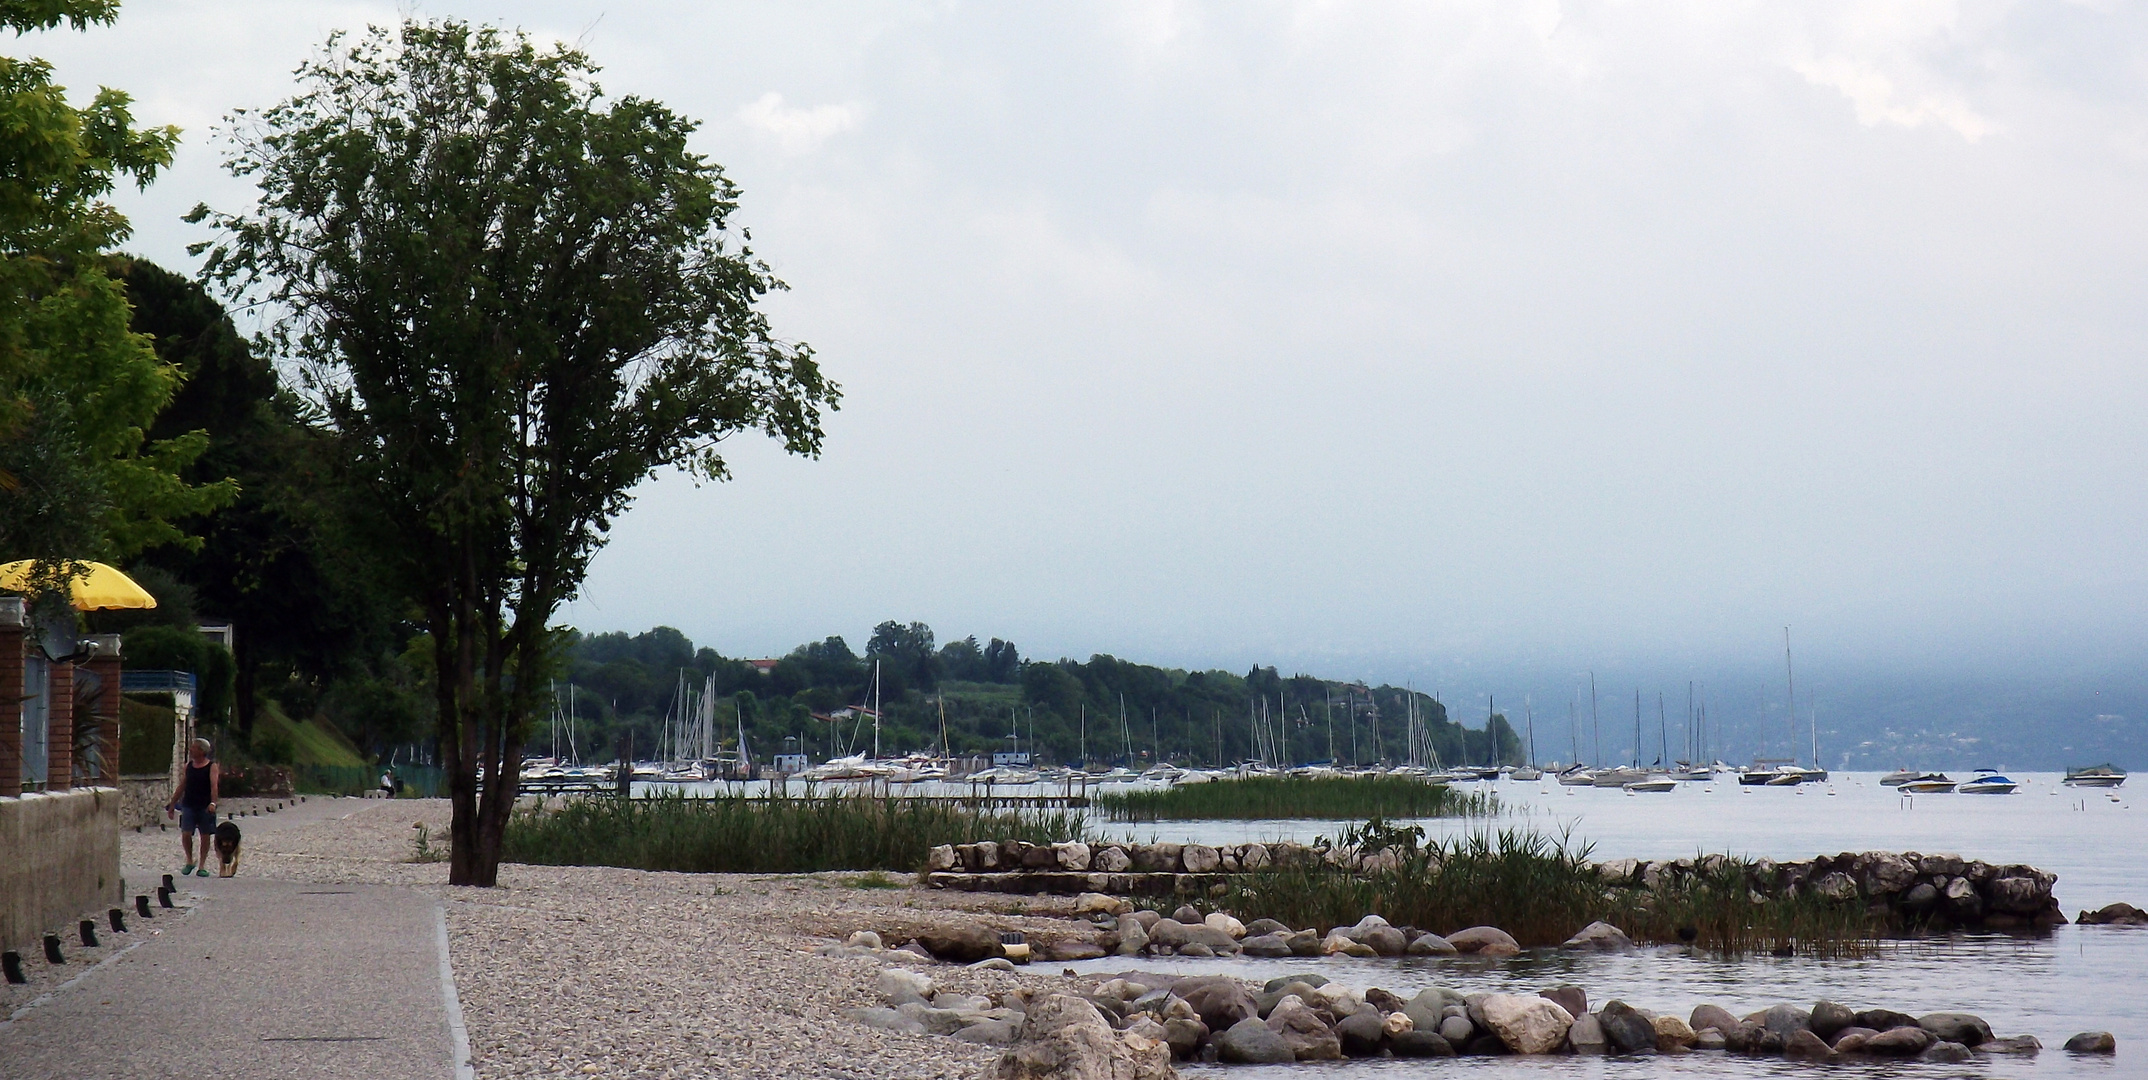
column 2078, row 978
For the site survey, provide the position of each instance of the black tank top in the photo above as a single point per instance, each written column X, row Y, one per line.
column 197, row 786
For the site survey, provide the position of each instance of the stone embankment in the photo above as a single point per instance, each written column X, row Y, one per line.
column 1926, row 890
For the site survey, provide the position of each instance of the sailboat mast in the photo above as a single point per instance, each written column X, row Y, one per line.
column 1790, row 676
column 1596, row 721
column 1636, row 727
column 876, row 710
column 1529, row 711
column 1663, row 732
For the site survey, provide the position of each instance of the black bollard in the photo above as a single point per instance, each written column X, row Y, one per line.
column 11, row 965
column 89, row 933
column 167, row 882
column 118, row 919
column 52, row 949
column 141, row 906
column 164, row 898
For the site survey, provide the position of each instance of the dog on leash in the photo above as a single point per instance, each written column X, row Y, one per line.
column 227, row 849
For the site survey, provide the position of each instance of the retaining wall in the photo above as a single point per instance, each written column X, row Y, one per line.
column 61, row 858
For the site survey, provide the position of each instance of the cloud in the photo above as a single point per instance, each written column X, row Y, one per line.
column 799, row 131
column 1877, row 100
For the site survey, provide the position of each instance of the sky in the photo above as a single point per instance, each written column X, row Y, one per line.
column 1403, row 340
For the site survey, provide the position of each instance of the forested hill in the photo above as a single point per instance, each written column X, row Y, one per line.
column 1058, row 708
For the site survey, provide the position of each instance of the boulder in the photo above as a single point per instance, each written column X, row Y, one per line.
column 1527, row 1025
column 1567, row 996
column 1361, row 1034
column 1803, row 1045
column 1827, row 1018
column 1672, row 1034
column 1277, row 984
column 1268, row 945
column 1457, row 1030
column 1259, row 927
column 1185, row 1034
column 1220, row 1002
column 1145, row 1025
column 1835, row 886
column 991, row 1032
column 2019, row 895
column 1964, row 903
column 901, row 986
column 1784, row 1020
column 940, row 858
column 1748, row 1037
column 1396, row 1023
column 1156, row 858
column 2013, row 1044
column 1072, row 856
column 1132, row 937
column 961, row 941
column 1959, row 1027
column 1484, row 941
column 1921, row 897
column 1887, row 874
column 1253, row 857
column 1628, row 1031
column 1110, row 860
column 1073, row 949
column 1430, row 945
column 1065, row 1038
column 1148, row 918
column 1039, row 857
column 2114, row 915
column 1899, row 1042
column 1304, row 943
column 2093, row 1042
column 888, row 1020
column 1945, row 1052
column 1383, row 1001
column 1710, row 1039
column 1218, row 920
column 1852, row 1040
column 1587, row 1036
column 1091, row 903
column 1884, row 1019
column 1187, row 914
column 1200, row 859
column 1196, row 949
column 1599, row 937
column 1712, row 1016
column 1251, row 1042
column 1420, row 1044
column 1384, row 940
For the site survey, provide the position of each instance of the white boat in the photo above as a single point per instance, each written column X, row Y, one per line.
column 1700, row 773
column 1577, row 777
column 1659, row 782
column 2100, row 776
column 1899, row 777
column 1618, row 777
column 1928, row 784
column 1164, row 771
column 1987, row 782
column 1527, row 774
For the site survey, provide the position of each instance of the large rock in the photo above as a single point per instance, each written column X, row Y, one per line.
column 1431, row 945
column 1599, row 937
column 1302, row 1029
column 1710, row 1039
column 901, row 986
column 1251, row 1042
column 1457, row 1030
column 1803, row 1045
column 1268, row 945
column 1884, row 1019
column 1132, row 936
column 1220, row 1002
column 962, row 941
column 940, row 858
column 1258, row 927
column 1827, row 1018
column 1073, row 949
column 1156, row 858
column 1712, row 1016
column 1170, row 932
column 1964, row 1028
column 1785, row 1020
column 1572, row 998
column 1253, row 857
column 1093, row 903
column 1628, row 1031
column 1920, row 898
column 1073, row 856
column 2015, row 1044
column 2114, row 915
column 1187, row 914
column 1361, row 1033
column 1219, row 920
column 1946, row 1053
column 1419, row 1044
column 1430, row 1006
column 1587, row 1035
column 2093, row 1042
column 1836, row 886
column 1964, row 903
column 1203, row 934
column 1528, row 1025
column 1484, row 941
column 1065, row 1038
column 1887, row 874
column 1185, row 1034
column 2019, row 895
column 1672, row 1034
column 1304, row 943
column 1385, row 940
column 1200, row 859
column 1110, row 860
column 1899, row 1042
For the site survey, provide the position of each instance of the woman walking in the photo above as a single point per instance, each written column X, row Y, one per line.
column 194, row 801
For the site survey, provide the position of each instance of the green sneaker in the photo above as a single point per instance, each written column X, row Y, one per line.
column 203, row 872
column 189, row 869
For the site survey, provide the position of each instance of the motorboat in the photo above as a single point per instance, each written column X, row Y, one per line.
column 2098, row 776
column 1657, row 782
column 1987, row 782
column 1165, row 772
column 1577, row 777
column 1617, row 776
column 1930, row 783
column 1694, row 773
column 1900, row 777
column 1527, row 774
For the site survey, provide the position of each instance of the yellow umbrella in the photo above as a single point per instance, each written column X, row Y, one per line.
column 95, row 586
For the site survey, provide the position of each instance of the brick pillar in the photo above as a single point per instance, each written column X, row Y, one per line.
column 60, row 740
column 104, row 664
column 12, row 620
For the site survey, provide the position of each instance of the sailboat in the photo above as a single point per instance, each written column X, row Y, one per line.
column 1529, row 771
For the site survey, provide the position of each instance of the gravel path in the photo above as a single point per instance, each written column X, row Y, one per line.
column 580, row 971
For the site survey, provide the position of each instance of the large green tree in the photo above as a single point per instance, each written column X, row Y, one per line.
column 514, row 300
column 79, row 479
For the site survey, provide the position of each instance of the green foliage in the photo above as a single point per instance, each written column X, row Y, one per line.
column 422, row 848
column 78, row 391
column 1262, row 798
column 145, row 736
column 272, row 743
column 1542, row 889
column 740, row 836
column 173, row 648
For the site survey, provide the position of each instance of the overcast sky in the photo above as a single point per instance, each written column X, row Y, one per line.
column 1380, row 338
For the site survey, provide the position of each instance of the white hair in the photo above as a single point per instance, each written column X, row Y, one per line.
column 202, row 745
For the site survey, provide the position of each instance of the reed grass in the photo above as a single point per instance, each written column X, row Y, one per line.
column 1541, row 889
column 1262, row 798
column 737, row 835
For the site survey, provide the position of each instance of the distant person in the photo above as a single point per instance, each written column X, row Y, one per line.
column 388, row 784
column 194, row 801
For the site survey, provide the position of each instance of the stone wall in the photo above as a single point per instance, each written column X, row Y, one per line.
column 61, row 860
column 141, row 799
column 1917, row 889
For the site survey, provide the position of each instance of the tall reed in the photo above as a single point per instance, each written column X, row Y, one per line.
column 1541, row 889
column 1260, row 798
column 738, row 835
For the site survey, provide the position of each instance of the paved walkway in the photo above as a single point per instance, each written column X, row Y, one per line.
column 268, row 979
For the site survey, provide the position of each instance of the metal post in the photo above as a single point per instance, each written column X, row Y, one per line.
column 12, row 620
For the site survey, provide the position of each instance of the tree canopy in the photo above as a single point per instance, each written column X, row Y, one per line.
column 513, row 300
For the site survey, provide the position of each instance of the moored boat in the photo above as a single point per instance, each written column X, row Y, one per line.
column 1987, row 782
column 1928, row 784
column 1657, row 782
column 2097, row 776
column 1899, row 777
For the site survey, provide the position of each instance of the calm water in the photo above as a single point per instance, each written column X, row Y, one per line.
column 2077, row 979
